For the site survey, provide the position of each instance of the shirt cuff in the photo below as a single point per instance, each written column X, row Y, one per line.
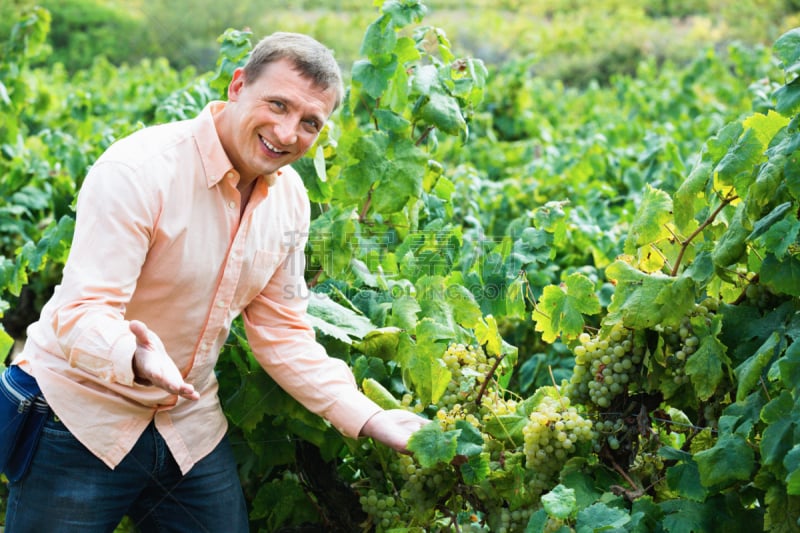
column 351, row 413
column 108, row 356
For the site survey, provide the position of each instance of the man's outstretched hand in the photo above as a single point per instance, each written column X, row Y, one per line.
column 393, row 427
column 153, row 366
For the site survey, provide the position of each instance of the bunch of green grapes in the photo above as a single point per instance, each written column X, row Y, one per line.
column 608, row 431
column 682, row 341
column 383, row 509
column 422, row 488
column 504, row 520
column 469, row 367
column 604, row 365
column 552, row 435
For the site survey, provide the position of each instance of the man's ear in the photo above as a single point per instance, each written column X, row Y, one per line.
column 236, row 84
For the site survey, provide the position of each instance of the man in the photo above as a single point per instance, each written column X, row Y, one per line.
column 180, row 228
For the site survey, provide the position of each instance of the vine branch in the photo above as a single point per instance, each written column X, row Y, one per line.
column 695, row 233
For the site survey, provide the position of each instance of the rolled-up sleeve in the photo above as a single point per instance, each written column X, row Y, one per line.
column 108, row 248
column 284, row 344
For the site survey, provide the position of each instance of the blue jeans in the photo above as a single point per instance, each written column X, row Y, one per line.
column 68, row 489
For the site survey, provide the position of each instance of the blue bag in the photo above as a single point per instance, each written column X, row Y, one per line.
column 23, row 412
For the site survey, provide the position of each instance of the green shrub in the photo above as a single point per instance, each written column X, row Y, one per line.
column 82, row 30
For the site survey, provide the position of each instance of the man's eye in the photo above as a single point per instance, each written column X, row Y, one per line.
column 277, row 105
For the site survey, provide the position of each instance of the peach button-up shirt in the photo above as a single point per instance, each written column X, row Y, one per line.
column 159, row 237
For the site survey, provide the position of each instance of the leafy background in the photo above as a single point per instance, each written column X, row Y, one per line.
column 503, row 176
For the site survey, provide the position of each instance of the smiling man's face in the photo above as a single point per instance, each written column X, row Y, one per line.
column 273, row 120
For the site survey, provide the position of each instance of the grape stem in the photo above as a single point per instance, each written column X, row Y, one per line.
column 695, row 233
column 424, row 136
column 487, row 379
column 362, row 216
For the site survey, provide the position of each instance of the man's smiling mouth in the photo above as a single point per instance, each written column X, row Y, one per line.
column 269, row 146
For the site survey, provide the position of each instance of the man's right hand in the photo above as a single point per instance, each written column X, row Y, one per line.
column 153, row 366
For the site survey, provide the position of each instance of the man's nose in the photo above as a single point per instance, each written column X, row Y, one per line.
column 286, row 131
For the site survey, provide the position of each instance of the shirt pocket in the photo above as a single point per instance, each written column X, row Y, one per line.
column 256, row 274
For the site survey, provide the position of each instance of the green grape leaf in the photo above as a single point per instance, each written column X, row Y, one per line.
column 252, row 399
column 706, row 366
column 476, row 469
column 318, row 189
column 402, row 170
column 6, row 342
column 789, row 366
column 787, row 49
column 766, row 126
column 732, row 245
column 730, row 459
column 431, row 445
column 470, row 440
column 405, row 309
column 684, row 478
column 357, row 179
column 335, row 320
column 489, row 336
column 787, row 98
column 749, row 372
column 690, row 193
column 331, row 241
column 507, row 427
column 777, row 437
column 636, row 292
column 791, row 173
column 560, row 502
column 369, row 367
column 52, row 247
column 781, row 236
column 560, row 309
column 766, row 222
column 379, row 40
column 374, row 78
column 739, row 162
column 537, row 522
column 515, row 298
column 381, row 343
column 782, row 277
column 600, row 516
column 466, row 310
column 782, row 510
column 645, row 514
column 404, row 13
column 442, row 111
column 379, row 394
column 283, row 501
column 792, row 464
column 423, row 369
column 649, row 225
column 686, row 516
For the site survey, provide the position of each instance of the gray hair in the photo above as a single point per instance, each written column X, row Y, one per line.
column 310, row 58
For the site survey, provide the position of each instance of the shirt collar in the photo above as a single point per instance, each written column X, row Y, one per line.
column 215, row 161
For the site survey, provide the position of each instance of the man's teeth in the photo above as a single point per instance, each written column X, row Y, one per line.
column 270, row 146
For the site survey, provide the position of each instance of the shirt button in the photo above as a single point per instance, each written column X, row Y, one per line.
column 220, row 303
column 229, row 175
column 232, row 204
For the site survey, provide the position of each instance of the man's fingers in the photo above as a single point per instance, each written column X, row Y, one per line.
column 140, row 331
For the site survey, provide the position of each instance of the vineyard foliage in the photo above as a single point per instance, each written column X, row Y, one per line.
column 594, row 294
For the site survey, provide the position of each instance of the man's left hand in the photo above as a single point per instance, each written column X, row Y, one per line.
column 393, row 427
